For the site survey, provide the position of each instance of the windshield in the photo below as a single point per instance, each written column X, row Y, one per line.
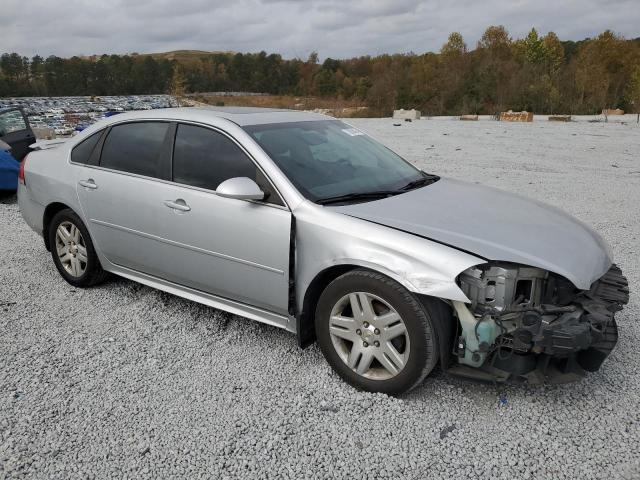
column 328, row 159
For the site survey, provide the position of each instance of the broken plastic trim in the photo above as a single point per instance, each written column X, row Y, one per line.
column 563, row 350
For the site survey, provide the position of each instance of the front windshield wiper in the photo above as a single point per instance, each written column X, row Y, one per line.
column 426, row 179
column 423, row 181
column 358, row 196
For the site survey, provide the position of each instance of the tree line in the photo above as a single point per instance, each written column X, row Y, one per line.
column 538, row 73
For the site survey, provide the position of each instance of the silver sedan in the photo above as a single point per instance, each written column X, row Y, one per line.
column 303, row 222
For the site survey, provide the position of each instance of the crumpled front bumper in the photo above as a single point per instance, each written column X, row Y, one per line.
column 560, row 344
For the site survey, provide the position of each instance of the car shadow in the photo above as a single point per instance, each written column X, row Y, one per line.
column 8, row 197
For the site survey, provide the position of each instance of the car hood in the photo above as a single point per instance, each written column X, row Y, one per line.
column 495, row 225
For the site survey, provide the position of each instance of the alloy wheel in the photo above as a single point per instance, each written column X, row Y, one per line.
column 71, row 249
column 369, row 335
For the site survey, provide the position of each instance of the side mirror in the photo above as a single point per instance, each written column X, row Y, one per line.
column 240, row 188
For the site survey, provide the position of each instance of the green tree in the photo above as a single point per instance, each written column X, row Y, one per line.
column 495, row 69
column 177, row 86
column 533, row 48
column 497, row 42
column 632, row 92
column 454, row 69
column 455, row 46
column 553, row 53
column 381, row 97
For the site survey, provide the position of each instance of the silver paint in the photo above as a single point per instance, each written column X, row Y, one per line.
column 496, row 225
column 240, row 188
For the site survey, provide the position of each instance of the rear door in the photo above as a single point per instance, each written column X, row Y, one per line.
column 16, row 131
column 119, row 194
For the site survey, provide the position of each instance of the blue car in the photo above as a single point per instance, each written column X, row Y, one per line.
column 9, row 167
column 15, row 137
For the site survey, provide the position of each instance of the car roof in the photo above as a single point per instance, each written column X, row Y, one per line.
column 242, row 116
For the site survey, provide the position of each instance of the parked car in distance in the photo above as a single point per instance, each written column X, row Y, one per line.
column 303, row 222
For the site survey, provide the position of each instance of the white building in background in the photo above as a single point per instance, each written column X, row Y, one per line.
column 403, row 114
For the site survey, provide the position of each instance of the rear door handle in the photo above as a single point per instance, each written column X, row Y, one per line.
column 88, row 184
column 179, row 204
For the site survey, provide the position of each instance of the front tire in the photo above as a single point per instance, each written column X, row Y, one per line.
column 374, row 333
column 72, row 250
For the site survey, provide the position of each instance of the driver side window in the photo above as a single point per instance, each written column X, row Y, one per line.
column 205, row 158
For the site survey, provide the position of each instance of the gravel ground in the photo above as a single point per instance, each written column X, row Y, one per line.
column 125, row 381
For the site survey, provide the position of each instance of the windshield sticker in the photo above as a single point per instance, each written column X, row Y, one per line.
column 353, row 132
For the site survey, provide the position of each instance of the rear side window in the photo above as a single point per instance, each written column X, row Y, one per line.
column 11, row 121
column 204, row 158
column 82, row 152
column 135, row 148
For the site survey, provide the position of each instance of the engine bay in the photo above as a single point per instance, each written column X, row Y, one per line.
column 528, row 324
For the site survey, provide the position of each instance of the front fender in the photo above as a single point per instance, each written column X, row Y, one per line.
column 325, row 239
column 414, row 277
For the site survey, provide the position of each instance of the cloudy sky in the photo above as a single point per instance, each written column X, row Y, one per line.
column 336, row 28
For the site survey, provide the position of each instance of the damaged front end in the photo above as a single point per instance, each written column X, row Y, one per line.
column 527, row 324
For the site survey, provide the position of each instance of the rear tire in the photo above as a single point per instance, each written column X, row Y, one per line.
column 72, row 250
column 375, row 333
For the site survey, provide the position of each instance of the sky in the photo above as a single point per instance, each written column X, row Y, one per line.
column 294, row 28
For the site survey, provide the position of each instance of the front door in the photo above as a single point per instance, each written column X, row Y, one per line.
column 233, row 248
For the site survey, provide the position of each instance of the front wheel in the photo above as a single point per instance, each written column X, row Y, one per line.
column 374, row 333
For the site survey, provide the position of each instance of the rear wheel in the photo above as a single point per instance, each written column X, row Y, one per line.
column 374, row 333
column 72, row 250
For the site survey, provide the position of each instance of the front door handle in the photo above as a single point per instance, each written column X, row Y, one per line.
column 88, row 184
column 178, row 204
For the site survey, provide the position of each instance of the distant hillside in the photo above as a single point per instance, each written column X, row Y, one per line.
column 182, row 55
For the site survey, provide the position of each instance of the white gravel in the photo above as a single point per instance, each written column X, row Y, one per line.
column 128, row 382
